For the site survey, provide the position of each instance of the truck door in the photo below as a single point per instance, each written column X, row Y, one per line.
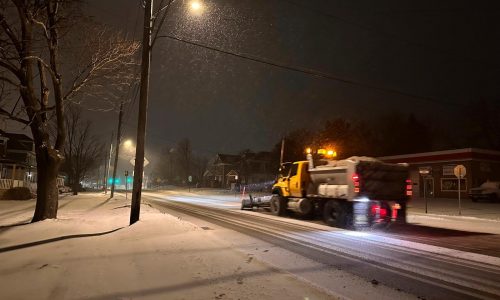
column 298, row 178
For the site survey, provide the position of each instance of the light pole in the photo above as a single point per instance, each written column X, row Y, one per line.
column 196, row 6
column 118, row 141
column 143, row 109
column 126, row 185
column 108, row 165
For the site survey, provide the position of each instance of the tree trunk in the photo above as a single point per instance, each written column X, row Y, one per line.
column 76, row 185
column 48, row 162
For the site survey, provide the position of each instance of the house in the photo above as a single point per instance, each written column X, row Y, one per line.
column 17, row 160
column 435, row 170
column 229, row 171
column 222, row 170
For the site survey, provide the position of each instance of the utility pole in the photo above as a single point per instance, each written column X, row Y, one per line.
column 117, row 152
column 282, row 150
column 143, row 109
column 108, row 165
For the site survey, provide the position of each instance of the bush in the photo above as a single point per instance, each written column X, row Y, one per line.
column 18, row 193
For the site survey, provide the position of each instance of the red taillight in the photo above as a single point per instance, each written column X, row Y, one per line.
column 382, row 212
column 355, row 179
column 409, row 187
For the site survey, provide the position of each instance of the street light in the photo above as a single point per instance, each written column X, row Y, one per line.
column 147, row 44
column 128, row 143
column 128, row 146
column 196, row 6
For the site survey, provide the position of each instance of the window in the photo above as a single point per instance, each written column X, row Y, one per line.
column 448, row 170
column 295, row 168
column 451, row 185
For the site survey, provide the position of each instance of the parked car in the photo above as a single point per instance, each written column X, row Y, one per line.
column 490, row 190
column 64, row 189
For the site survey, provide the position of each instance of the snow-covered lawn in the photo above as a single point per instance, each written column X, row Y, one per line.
column 90, row 252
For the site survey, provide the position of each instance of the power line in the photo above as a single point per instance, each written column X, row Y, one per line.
column 309, row 71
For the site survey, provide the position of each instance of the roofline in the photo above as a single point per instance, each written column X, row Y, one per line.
column 438, row 153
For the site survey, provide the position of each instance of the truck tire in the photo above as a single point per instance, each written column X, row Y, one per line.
column 335, row 214
column 278, row 205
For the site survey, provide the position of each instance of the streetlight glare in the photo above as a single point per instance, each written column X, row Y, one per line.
column 127, row 143
column 195, row 5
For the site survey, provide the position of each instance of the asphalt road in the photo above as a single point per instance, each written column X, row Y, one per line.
column 425, row 271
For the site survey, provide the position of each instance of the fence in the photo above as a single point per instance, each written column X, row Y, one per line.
column 10, row 183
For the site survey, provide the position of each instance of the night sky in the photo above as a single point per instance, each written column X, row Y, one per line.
column 447, row 51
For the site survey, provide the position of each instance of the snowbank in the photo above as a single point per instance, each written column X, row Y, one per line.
column 90, row 252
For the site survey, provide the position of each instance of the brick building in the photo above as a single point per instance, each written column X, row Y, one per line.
column 481, row 165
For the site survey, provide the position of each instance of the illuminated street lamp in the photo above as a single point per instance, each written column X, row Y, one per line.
column 128, row 143
column 196, row 6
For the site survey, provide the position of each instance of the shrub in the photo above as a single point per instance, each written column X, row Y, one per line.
column 18, row 193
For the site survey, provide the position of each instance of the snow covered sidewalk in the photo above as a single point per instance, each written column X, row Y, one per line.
column 443, row 213
column 90, row 252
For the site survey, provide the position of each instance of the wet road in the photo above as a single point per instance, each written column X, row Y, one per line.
column 418, row 268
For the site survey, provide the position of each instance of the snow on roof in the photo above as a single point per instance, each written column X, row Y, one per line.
column 446, row 155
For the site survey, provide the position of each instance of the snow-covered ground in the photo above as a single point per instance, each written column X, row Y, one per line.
column 90, row 252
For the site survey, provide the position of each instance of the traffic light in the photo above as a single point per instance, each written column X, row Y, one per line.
column 117, row 180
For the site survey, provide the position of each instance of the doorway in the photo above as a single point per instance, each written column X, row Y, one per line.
column 428, row 189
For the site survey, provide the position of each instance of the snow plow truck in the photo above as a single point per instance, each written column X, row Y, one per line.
column 349, row 193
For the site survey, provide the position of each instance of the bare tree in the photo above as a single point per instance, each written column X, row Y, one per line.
column 31, row 73
column 81, row 148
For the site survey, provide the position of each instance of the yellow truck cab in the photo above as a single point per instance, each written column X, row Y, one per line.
column 293, row 180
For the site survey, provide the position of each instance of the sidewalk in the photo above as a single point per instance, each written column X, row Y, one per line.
column 449, row 207
column 443, row 213
column 90, row 252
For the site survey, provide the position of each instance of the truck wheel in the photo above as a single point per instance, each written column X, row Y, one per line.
column 278, row 205
column 334, row 214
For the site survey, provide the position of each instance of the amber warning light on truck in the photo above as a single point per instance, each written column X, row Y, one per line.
column 322, row 151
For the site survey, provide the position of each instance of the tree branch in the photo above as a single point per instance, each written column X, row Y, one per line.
column 44, row 91
column 12, row 69
column 41, row 61
column 12, row 117
column 11, row 34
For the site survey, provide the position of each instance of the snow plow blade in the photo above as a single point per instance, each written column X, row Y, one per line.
column 250, row 203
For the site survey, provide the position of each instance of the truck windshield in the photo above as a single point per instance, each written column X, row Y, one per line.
column 285, row 169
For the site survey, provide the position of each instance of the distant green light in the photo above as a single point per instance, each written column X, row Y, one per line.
column 117, row 180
